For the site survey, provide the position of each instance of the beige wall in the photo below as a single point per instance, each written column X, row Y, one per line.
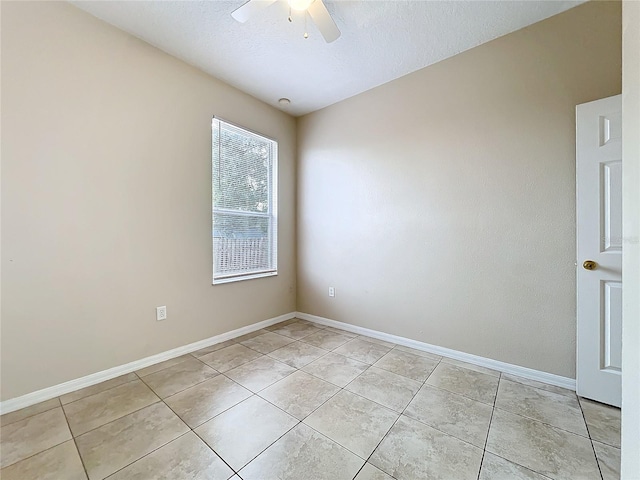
column 106, row 200
column 442, row 205
column 631, row 258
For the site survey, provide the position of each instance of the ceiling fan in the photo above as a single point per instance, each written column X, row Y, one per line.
column 316, row 9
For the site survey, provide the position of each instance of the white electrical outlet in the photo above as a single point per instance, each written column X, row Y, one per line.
column 161, row 313
column 332, row 292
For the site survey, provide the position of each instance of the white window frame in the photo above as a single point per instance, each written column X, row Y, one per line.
column 272, row 214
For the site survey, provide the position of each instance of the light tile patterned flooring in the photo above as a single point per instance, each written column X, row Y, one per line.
column 302, row 401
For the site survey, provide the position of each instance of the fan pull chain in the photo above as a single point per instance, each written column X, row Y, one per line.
column 290, row 18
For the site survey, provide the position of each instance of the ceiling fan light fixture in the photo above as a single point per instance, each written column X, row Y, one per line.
column 316, row 9
column 300, row 5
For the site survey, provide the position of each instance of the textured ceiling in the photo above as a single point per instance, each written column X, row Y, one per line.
column 268, row 57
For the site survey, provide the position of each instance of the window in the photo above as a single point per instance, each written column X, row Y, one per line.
column 244, row 197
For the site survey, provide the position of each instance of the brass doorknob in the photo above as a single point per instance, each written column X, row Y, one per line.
column 589, row 265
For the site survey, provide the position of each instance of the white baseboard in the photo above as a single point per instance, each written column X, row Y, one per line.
column 73, row 385
column 504, row 367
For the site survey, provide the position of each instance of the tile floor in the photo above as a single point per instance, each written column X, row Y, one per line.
column 302, row 401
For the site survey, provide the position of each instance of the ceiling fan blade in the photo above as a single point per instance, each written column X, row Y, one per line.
column 243, row 13
column 322, row 18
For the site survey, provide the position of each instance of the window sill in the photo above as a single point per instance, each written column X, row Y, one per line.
column 219, row 281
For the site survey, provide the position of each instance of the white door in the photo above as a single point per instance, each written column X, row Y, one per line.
column 599, row 262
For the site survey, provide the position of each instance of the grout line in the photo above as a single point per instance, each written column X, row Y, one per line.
column 573, row 394
column 493, row 410
column 519, row 465
column 221, row 412
column 118, row 418
column 122, row 416
column 396, row 421
column 235, row 342
column 544, row 423
column 253, row 394
column 528, row 418
column 405, row 408
column 163, row 368
column 358, row 472
column 193, row 429
column 256, row 394
column 378, row 403
column 328, row 381
column 264, row 449
column 339, row 444
column 98, row 393
column 340, row 389
column 378, row 446
column 186, row 388
column 235, row 357
column 485, row 451
column 42, row 451
column 587, row 423
column 617, row 447
column 149, row 453
column 75, row 443
column 584, row 418
column 235, row 472
column 486, row 440
column 33, row 414
column 302, row 343
column 442, row 389
column 262, row 353
column 446, row 433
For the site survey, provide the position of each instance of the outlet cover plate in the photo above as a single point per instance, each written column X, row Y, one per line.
column 161, row 313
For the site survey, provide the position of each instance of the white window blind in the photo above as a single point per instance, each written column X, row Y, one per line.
column 244, row 191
